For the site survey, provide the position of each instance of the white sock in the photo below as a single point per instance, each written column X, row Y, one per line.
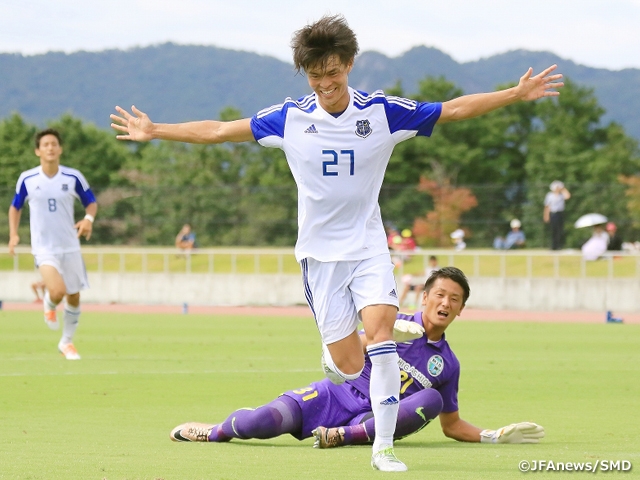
column 48, row 304
column 71, row 317
column 385, row 391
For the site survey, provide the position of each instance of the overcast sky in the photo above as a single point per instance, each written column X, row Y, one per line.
column 596, row 33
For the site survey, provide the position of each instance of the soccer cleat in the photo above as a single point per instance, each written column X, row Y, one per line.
column 385, row 461
column 51, row 319
column 69, row 351
column 191, row 432
column 328, row 437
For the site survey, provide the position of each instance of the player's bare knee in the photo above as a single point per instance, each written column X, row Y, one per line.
column 56, row 294
column 351, row 365
column 380, row 335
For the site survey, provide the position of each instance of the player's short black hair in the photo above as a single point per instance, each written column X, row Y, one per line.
column 452, row 273
column 48, row 131
column 313, row 44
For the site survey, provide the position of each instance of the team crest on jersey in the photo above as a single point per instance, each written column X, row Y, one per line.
column 65, row 187
column 363, row 128
column 435, row 365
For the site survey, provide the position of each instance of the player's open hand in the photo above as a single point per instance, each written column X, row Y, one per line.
column 14, row 240
column 137, row 127
column 523, row 432
column 84, row 227
column 541, row 85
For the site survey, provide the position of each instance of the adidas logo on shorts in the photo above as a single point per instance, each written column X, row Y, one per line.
column 389, row 401
column 393, row 293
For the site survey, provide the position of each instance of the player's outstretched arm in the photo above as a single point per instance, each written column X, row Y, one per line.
column 530, row 87
column 138, row 127
column 456, row 428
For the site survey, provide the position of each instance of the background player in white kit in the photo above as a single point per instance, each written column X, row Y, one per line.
column 338, row 142
column 51, row 190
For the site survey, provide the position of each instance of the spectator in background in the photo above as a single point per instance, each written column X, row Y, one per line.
column 394, row 242
column 408, row 242
column 615, row 242
column 514, row 239
column 416, row 284
column 597, row 245
column 457, row 237
column 554, row 212
column 186, row 239
column 393, row 238
column 400, row 242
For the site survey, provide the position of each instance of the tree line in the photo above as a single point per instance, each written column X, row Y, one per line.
column 476, row 175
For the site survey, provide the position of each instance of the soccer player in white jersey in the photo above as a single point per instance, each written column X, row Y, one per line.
column 338, row 142
column 51, row 190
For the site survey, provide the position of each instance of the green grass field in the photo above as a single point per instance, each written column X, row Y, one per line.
column 108, row 416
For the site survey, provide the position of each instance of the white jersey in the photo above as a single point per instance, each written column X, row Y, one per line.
column 339, row 164
column 51, row 207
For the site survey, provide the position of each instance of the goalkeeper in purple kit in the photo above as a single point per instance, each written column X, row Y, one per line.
column 339, row 415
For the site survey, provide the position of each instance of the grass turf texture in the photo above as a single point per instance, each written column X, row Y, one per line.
column 108, row 416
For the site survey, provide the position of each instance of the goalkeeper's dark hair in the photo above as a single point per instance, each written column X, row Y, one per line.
column 452, row 273
column 313, row 44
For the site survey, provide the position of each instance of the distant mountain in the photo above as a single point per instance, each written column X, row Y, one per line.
column 180, row 82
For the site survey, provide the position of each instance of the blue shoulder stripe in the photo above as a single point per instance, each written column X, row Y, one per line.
column 306, row 104
column 21, row 192
column 270, row 121
column 81, row 188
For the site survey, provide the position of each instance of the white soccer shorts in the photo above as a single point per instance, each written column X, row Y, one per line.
column 71, row 268
column 337, row 291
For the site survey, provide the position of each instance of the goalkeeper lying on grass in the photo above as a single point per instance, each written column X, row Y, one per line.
column 339, row 415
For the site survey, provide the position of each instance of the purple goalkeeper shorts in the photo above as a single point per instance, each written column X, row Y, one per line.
column 328, row 405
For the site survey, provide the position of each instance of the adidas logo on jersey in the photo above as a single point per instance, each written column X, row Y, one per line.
column 389, row 401
column 311, row 129
column 393, row 293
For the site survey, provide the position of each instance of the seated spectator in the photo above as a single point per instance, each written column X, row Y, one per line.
column 596, row 246
column 416, row 284
column 615, row 242
column 186, row 239
column 514, row 239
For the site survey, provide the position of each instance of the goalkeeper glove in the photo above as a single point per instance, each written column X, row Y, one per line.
column 524, row 432
column 405, row 331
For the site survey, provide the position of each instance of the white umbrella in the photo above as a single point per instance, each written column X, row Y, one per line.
column 589, row 220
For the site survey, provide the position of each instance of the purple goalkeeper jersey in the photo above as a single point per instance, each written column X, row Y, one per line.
column 423, row 364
